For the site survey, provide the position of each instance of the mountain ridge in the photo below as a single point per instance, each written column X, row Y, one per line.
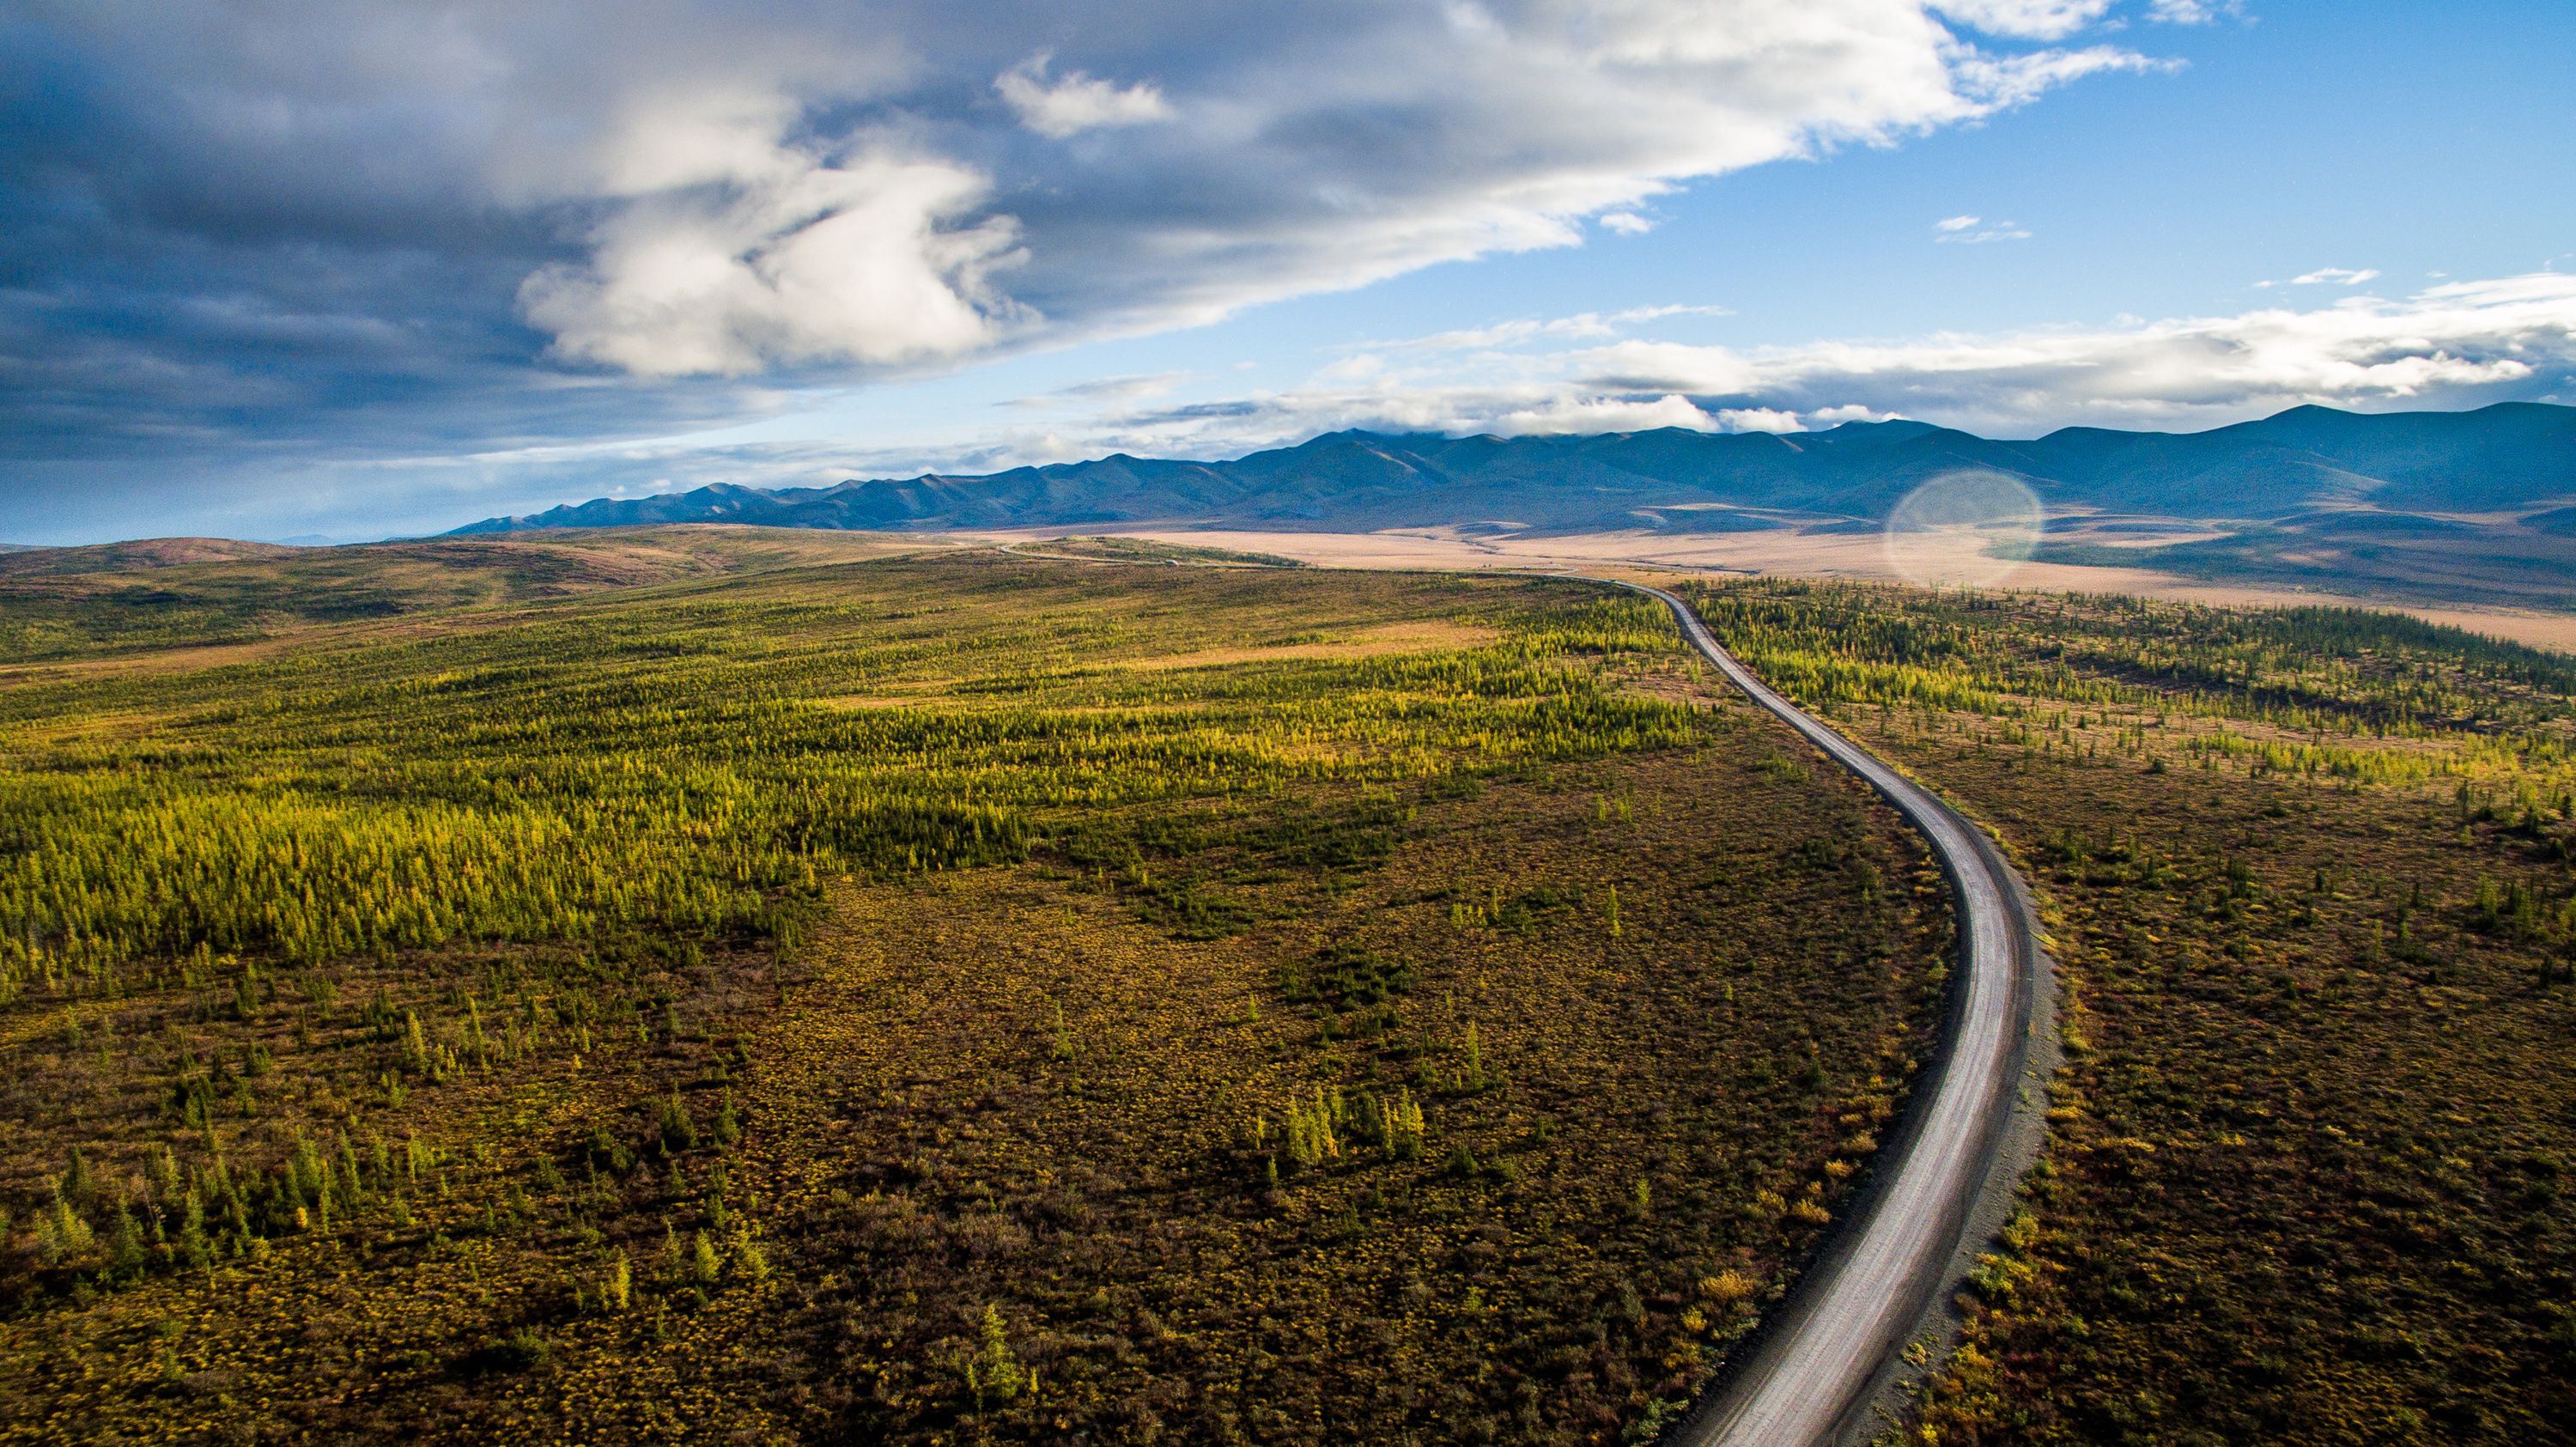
column 2504, row 457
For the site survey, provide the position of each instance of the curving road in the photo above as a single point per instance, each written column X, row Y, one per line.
column 1811, row 1376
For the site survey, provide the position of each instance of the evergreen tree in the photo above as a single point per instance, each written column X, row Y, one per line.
column 125, row 1245
column 679, row 1132
column 995, row 1375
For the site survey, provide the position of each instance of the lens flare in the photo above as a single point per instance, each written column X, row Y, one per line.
column 1966, row 529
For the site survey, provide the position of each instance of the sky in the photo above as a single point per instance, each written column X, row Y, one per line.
column 293, row 269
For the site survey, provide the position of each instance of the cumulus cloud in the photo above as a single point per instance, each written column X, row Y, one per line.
column 1581, row 416
column 1998, row 82
column 2027, row 19
column 1076, row 103
column 1760, row 419
column 800, row 262
column 2194, row 12
column 709, row 187
column 1852, row 412
column 2334, row 276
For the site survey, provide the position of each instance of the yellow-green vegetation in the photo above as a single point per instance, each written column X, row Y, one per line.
column 930, row 1000
column 1149, row 550
column 2308, row 877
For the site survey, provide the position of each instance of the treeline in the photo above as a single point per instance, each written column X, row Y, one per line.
column 2329, row 671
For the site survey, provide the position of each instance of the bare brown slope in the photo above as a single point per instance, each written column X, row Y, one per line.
column 145, row 553
column 120, row 605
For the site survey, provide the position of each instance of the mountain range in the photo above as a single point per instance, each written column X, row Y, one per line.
column 2508, row 458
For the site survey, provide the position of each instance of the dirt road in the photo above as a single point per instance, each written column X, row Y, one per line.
column 1810, row 1379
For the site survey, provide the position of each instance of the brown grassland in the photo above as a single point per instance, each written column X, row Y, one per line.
column 179, row 598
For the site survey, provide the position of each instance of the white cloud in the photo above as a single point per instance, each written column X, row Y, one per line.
column 1760, row 419
column 2334, row 276
column 716, row 161
column 2194, row 12
column 2026, row 19
column 1852, row 412
column 1106, row 389
column 803, row 259
column 2011, row 80
column 1637, row 314
column 1330, row 402
column 1364, row 367
column 1522, row 332
column 1559, row 416
column 853, row 192
column 1076, row 103
column 1501, row 334
column 2452, row 344
column 1956, row 230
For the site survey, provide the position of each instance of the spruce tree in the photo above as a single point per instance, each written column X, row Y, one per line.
column 995, row 1376
column 679, row 1133
column 125, row 1245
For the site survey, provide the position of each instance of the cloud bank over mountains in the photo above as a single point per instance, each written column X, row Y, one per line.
column 2449, row 346
column 367, row 224
column 2453, row 347
column 2456, row 345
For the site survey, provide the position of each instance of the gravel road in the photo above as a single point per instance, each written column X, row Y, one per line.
column 1812, row 1374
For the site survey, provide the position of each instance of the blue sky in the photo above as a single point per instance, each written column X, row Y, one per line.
column 435, row 291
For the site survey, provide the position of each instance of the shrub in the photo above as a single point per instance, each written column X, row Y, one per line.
column 1729, row 1288
column 517, row 1352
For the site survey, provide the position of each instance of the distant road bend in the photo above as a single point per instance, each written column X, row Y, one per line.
column 1811, row 1377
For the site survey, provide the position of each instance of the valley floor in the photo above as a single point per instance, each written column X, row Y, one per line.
column 1850, row 557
